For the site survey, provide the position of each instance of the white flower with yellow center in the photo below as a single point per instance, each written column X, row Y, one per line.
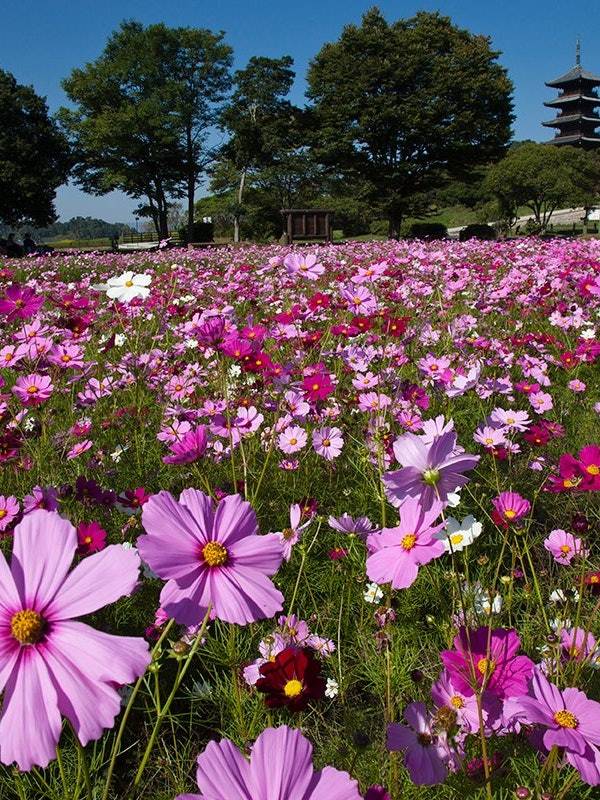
column 458, row 535
column 127, row 286
column 373, row 594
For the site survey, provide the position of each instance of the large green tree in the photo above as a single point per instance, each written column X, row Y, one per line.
column 267, row 147
column 34, row 156
column 143, row 113
column 543, row 178
column 408, row 105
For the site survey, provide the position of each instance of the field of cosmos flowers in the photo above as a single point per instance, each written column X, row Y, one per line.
column 301, row 523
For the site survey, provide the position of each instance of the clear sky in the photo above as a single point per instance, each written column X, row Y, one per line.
column 41, row 41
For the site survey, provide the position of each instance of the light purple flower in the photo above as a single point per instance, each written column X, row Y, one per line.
column 328, row 442
column 210, row 556
column 9, row 510
column 51, row 665
column 290, row 536
column 280, row 768
column 571, row 720
column 361, row 526
column 425, row 754
column 429, row 471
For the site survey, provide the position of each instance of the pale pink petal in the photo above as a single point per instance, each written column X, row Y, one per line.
column 224, row 772
column 234, row 519
column 332, row 784
column 263, row 553
column 202, row 509
column 30, row 725
column 53, row 541
column 281, row 764
column 243, row 595
column 98, row 580
column 187, row 605
column 163, row 513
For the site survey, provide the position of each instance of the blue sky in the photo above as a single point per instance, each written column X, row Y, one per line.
column 41, row 41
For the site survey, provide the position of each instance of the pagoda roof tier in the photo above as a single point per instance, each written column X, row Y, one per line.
column 574, row 139
column 571, row 98
column 575, row 74
column 560, row 121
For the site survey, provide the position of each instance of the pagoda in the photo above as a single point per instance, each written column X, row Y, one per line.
column 577, row 119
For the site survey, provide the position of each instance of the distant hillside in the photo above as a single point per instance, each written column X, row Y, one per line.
column 77, row 228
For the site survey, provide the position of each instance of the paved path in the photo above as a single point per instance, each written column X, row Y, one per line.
column 564, row 216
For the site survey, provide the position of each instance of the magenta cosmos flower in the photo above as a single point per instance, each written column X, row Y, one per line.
column 397, row 553
column 210, row 556
column 429, row 471
column 9, row 510
column 571, row 720
column 20, row 302
column 509, row 507
column 302, row 264
column 564, row 546
column 51, row 665
column 191, row 447
column 425, row 753
column 497, row 668
column 280, row 768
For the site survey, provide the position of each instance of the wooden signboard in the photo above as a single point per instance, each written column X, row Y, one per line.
column 302, row 224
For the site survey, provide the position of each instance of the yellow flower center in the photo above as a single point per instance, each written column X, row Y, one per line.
column 27, row 626
column 564, row 548
column 326, row 442
column 456, row 538
column 32, row 389
column 486, row 666
column 431, row 476
column 566, row 719
column 510, row 420
column 315, row 387
column 287, row 534
column 214, row 554
column 65, row 358
column 292, row 688
column 510, row 513
column 87, row 540
column 593, row 469
column 408, row 541
column 128, row 284
column 3, row 513
column 457, row 701
column 293, row 440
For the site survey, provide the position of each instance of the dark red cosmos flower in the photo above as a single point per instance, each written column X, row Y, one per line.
column 396, row 326
column 292, row 679
column 91, row 538
column 592, row 581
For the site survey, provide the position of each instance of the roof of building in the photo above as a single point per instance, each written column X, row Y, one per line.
column 563, row 120
column 577, row 73
column 570, row 98
column 574, row 138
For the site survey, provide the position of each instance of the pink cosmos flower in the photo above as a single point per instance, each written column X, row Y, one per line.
column 489, row 437
column 79, row 448
column 292, row 439
column 541, row 402
column 571, row 722
column 397, row 553
column 247, row 420
column 577, row 386
column 290, row 536
column 45, row 497
column 210, row 556
column 317, row 386
column 20, row 302
column 497, row 668
column 564, row 546
column 328, row 442
column 373, row 401
column 9, row 510
column 34, row 389
column 510, row 507
column 429, row 471
column 280, row 768
column 11, row 354
column 359, row 299
column 361, row 526
column 50, row 664
column 66, row 356
column 425, row 752
column 190, row 448
column 305, row 265
column 510, row 419
column 445, row 695
column 589, row 463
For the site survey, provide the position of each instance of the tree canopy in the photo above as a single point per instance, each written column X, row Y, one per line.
column 143, row 113
column 543, row 178
column 34, row 156
column 408, row 105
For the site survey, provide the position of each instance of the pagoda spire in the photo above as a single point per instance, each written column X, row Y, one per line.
column 578, row 52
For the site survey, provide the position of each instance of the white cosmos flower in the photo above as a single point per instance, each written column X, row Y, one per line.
column 458, row 535
column 127, row 286
column 373, row 594
column 332, row 688
column 453, row 498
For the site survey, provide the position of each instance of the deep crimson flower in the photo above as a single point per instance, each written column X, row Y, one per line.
column 319, row 300
column 568, row 360
column 592, row 581
column 292, row 679
column 537, row 435
column 396, row 326
column 20, row 302
column 134, row 498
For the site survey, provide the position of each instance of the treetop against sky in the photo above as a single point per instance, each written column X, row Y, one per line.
column 41, row 43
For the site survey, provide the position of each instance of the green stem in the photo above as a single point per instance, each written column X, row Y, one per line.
column 125, row 717
column 82, row 760
column 167, row 705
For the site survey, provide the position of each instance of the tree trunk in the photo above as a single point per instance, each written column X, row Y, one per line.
column 191, row 184
column 394, row 225
column 240, row 197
